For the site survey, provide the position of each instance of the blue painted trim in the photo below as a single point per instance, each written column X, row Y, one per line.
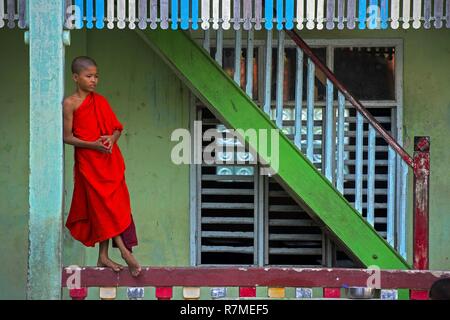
column 99, row 14
column 384, row 14
column 280, row 15
column 374, row 14
column 194, row 24
column 184, row 14
column 269, row 14
column 89, row 14
column 362, row 14
column 174, row 14
column 289, row 14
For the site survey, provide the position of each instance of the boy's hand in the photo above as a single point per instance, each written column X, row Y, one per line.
column 99, row 145
column 108, row 141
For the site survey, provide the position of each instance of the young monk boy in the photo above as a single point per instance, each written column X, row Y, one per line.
column 100, row 208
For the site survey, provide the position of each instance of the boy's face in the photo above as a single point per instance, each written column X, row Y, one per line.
column 87, row 79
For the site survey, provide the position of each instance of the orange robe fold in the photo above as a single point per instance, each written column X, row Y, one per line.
column 100, row 207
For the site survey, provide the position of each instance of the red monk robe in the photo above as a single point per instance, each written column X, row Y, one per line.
column 100, row 207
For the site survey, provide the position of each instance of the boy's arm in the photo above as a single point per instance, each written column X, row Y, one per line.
column 116, row 135
column 69, row 138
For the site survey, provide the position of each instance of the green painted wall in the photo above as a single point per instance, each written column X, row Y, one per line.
column 14, row 128
column 151, row 102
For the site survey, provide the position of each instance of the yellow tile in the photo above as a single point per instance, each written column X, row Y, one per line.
column 277, row 293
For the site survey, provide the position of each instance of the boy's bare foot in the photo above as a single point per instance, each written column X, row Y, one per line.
column 107, row 262
column 133, row 265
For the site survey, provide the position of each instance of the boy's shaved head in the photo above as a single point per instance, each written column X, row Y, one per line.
column 82, row 62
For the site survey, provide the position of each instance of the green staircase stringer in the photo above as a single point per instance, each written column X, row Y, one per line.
column 296, row 173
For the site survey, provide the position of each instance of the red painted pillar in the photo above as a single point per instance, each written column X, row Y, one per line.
column 421, row 207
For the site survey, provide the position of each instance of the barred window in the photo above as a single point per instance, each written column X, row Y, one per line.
column 244, row 218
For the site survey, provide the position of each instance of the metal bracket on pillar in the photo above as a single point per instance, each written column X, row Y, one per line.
column 26, row 37
column 66, row 37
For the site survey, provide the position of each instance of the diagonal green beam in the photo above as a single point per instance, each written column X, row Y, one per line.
column 296, row 173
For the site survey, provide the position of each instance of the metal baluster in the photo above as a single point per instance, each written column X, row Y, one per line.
column 249, row 71
column 310, row 111
column 359, row 162
column 341, row 143
column 371, row 176
column 329, row 132
column 268, row 74
column 401, row 241
column 237, row 56
column 391, row 197
column 280, row 79
column 298, row 99
column 219, row 46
